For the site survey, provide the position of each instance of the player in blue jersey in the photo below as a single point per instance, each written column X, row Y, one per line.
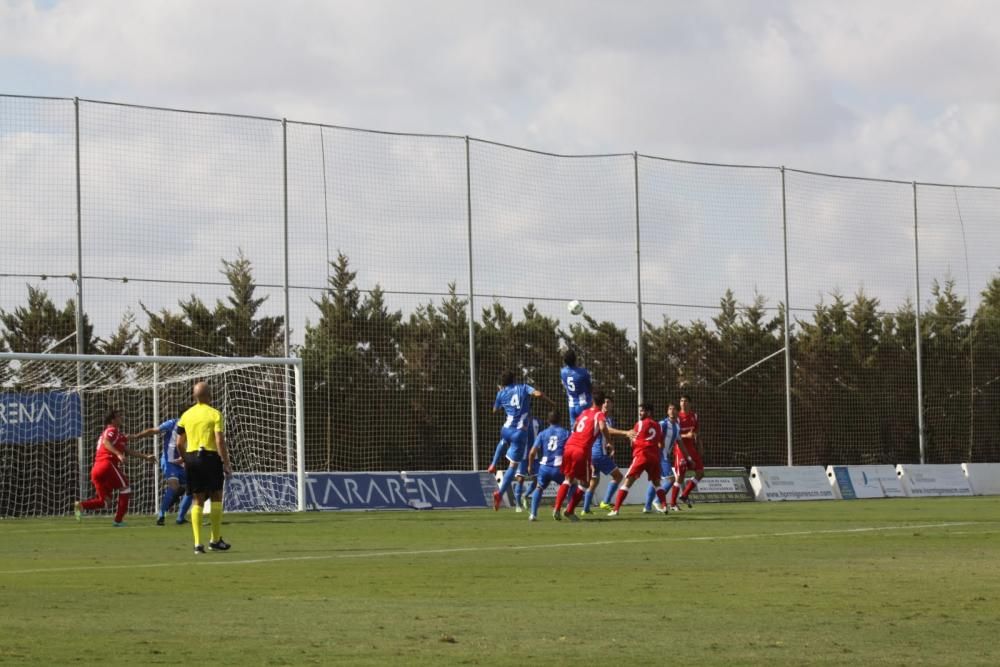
column 602, row 462
column 671, row 434
column 515, row 401
column 547, row 452
column 526, row 470
column 576, row 382
column 173, row 473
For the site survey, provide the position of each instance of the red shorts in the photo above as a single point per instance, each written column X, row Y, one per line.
column 681, row 465
column 576, row 464
column 648, row 462
column 107, row 478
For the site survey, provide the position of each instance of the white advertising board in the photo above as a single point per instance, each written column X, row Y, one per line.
column 791, row 483
column 870, row 481
column 983, row 477
column 933, row 480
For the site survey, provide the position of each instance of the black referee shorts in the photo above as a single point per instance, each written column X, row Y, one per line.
column 204, row 472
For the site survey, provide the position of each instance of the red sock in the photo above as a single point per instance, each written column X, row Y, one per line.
column 662, row 495
column 92, row 503
column 123, row 499
column 688, row 487
column 561, row 495
column 620, row 497
column 575, row 500
column 673, row 494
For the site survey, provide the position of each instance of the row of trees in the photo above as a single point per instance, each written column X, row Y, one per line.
column 386, row 390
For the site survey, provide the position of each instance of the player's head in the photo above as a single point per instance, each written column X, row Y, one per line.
column 600, row 398
column 671, row 410
column 570, row 357
column 202, row 393
column 685, row 402
column 554, row 417
column 113, row 416
column 507, row 379
column 645, row 410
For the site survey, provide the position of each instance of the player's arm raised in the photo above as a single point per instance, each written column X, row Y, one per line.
column 539, row 394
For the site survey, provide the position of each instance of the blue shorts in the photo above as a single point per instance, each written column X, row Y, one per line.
column 603, row 464
column 518, row 440
column 666, row 469
column 172, row 470
column 574, row 412
column 548, row 474
column 522, row 467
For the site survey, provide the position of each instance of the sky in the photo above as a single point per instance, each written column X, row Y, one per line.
column 892, row 89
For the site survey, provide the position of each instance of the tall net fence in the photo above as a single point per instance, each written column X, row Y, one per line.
column 377, row 257
column 959, row 234
column 852, row 280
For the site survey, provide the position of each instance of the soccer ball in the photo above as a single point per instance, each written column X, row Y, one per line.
column 574, row 307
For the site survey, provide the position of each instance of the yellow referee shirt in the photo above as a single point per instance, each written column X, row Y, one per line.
column 200, row 423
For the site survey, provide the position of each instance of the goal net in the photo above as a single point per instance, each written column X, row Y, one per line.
column 52, row 410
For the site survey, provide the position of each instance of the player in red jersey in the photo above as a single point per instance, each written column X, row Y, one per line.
column 107, row 474
column 686, row 453
column 646, row 456
column 576, row 454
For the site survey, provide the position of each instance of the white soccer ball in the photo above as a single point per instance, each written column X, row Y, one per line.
column 574, row 307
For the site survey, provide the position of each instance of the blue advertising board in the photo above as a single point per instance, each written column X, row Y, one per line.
column 844, row 483
column 251, row 492
column 31, row 418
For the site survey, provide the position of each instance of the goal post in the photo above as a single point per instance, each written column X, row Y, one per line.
column 45, row 407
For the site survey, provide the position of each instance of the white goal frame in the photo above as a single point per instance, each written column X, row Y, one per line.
column 289, row 362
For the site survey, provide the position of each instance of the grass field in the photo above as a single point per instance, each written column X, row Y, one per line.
column 895, row 582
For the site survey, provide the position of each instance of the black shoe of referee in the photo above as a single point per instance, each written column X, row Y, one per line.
column 219, row 546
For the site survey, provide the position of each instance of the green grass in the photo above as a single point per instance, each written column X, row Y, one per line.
column 895, row 582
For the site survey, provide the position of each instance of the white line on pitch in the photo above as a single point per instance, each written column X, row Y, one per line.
column 504, row 547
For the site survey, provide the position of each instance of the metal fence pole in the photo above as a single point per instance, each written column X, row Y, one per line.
column 788, row 324
column 639, row 359
column 157, row 443
column 919, row 345
column 472, row 312
column 291, row 447
column 80, row 334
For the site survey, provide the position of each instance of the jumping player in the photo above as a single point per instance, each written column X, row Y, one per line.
column 576, row 382
column 646, row 455
column 547, row 453
column 107, row 474
column 515, row 401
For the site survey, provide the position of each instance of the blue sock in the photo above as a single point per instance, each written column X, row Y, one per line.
column 531, row 488
column 507, row 477
column 186, row 503
column 536, row 498
column 612, row 488
column 650, row 494
column 518, row 492
column 588, row 498
column 168, row 499
column 499, row 452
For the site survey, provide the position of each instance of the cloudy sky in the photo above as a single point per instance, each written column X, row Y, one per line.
column 900, row 89
column 892, row 89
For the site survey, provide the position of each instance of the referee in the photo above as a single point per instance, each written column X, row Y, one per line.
column 201, row 442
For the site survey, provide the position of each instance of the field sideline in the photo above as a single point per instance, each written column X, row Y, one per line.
column 895, row 582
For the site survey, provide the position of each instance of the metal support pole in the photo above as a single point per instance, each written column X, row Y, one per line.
column 300, row 437
column 156, row 422
column 80, row 334
column 788, row 324
column 639, row 358
column 472, row 312
column 919, row 344
column 290, row 447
